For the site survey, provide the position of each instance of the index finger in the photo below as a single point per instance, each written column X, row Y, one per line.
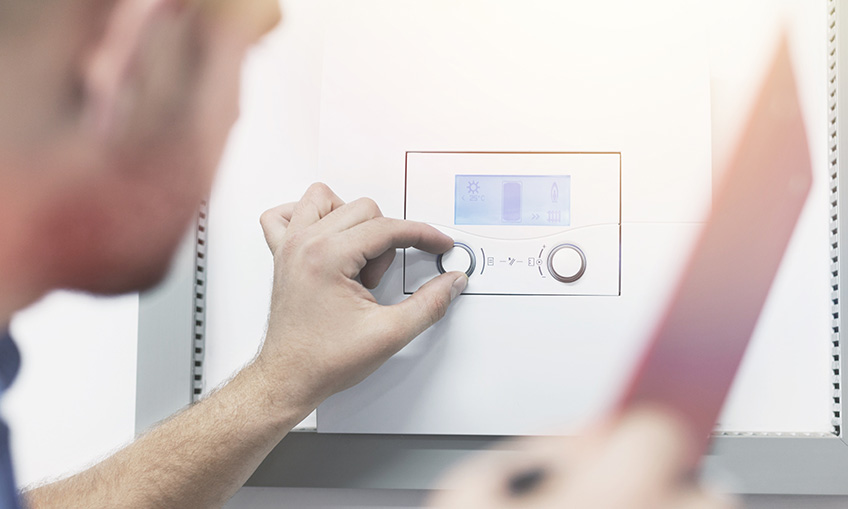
column 375, row 237
column 275, row 222
column 318, row 201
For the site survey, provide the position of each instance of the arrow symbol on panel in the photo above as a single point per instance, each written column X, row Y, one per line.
column 534, row 216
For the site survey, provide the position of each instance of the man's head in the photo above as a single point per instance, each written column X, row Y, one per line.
column 113, row 116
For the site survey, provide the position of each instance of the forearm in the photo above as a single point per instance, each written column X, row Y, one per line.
column 198, row 458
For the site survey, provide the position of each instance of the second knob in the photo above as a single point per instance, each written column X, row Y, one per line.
column 567, row 263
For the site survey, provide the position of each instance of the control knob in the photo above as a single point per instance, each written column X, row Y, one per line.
column 459, row 258
column 567, row 263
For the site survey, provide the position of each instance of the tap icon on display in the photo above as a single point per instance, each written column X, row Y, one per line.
column 554, row 193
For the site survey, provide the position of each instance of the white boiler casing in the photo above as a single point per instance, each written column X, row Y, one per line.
column 586, row 126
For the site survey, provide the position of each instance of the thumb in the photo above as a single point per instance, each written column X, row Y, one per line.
column 428, row 305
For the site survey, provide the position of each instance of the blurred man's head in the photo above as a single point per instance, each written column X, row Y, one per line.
column 113, row 116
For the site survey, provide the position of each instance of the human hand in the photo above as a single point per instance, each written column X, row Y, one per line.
column 639, row 461
column 326, row 331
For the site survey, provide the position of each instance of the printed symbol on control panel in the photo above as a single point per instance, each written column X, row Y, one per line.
column 534, row 216
column 511, row 260
column 490, row 261
column 554, row 216
column 473, row 192
column 554, row 193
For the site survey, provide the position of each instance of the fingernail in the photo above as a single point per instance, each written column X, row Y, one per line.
column 458, row 286
column 525, row 482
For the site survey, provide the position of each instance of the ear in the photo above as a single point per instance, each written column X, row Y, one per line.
column 109, row 69
column 247, row 19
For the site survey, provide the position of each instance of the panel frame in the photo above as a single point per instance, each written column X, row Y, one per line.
column 755, row 463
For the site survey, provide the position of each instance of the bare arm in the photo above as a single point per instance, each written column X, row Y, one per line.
column 326, row 333
column 198, row 458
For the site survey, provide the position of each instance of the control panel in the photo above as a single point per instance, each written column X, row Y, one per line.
column 522, row 223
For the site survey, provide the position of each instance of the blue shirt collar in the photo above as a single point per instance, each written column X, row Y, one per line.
column 10, row 360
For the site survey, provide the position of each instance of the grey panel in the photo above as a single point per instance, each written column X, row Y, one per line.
column 325, row 460
column 307, row 498
column 793, row 502
column 749, row 464
column 779, row 465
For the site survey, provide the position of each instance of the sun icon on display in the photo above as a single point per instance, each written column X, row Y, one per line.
column 473, row 187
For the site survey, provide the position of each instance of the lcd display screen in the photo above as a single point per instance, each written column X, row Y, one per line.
column 528, row 200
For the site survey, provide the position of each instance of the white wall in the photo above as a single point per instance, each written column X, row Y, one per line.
column 74, row 400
